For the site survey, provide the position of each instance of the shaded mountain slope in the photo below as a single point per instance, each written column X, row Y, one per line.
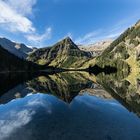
column 10, row 62
column 17, row 49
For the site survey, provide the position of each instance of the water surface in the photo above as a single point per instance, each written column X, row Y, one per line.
column 70, row 106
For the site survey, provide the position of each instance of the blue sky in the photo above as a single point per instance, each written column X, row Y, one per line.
column 44, row 22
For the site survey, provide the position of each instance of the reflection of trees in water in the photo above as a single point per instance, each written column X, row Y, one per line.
column 63, row 85
column 124, row 91
column 67, row 85
column 11, row 80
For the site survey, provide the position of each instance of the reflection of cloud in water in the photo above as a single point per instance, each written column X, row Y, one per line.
column 43, row 116
column 38, row 101
column 14, row 117
column 13, row 120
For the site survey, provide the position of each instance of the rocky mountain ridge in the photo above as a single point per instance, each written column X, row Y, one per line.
column 97, row 48
column 18, row 49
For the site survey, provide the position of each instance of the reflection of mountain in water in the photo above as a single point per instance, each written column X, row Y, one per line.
column 126, row 91
column 13, row 86
column 64, row 85
column 68, row 85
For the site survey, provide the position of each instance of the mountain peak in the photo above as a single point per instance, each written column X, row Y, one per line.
column 67, row 40
column 67, row 43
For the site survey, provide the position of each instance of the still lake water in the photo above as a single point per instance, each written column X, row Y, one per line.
column 69, row 106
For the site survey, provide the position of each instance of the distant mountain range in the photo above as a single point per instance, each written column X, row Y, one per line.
column 122, row 52
column 96, row 48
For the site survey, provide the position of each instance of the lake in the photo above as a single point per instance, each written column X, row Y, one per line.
column 69, row 106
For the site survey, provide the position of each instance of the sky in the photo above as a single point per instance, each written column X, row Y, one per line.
column 40, row 23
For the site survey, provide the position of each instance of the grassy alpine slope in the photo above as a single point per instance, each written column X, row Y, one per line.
column 64, row 54
column 124, row 50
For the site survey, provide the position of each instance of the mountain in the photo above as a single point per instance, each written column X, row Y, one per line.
column 64, row 54
column 10, row 62
column 96, row 48
column 123, row 53
column 17, row 49
column 124, row 50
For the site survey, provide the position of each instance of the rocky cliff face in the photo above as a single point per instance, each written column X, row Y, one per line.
column 97, row 48
column 64, row 54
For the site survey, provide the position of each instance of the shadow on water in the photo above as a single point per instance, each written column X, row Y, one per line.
column 107, row 70
column 10, row 80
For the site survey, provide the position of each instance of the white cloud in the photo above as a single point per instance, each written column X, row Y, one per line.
column 69, row 34
column 13, row 15
column 24, row 7
column 37, row 38
column 99, row 35
column 108, row 33
column 87, row 38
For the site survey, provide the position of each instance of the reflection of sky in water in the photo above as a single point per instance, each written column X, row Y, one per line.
column 41, row 117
